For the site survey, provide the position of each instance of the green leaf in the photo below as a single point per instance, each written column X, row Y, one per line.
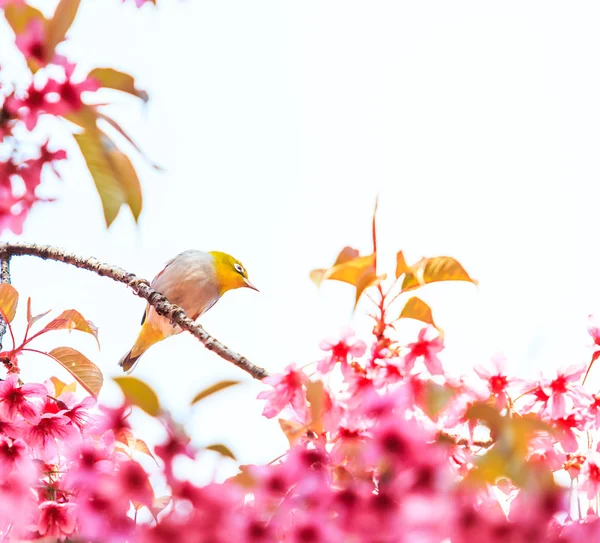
column 103, row 173
column 59, row 25
column 223, row 450
column 72, row 320
column 110, row 78
column 9, row 299
column 87, row 374
column 417, row 309
column 212, row 389
column 138, row 393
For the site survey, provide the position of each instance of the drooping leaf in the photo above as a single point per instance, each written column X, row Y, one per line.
column 103, row 173
column 315, row 392
column 110, row 78
column 121, row 131
column 212, row 389
column 87, row 374
column 71, row 319
column 292, row 430
column 417, row 309
column 401, row 266
column 129, row 181
column 59, row 25
column 433, row 270
column 9, row 299
column 223, row 450
column 138, row 393
column 31, row 320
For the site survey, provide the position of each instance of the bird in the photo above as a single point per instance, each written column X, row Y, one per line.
column 194, row 280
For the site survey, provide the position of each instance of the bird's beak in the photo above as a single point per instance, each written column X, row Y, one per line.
column 250, row 285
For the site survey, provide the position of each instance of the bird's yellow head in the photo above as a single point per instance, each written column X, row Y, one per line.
column 231, row 274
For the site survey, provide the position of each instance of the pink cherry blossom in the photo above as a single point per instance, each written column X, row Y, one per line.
column 427, row 349
column 17, row 400
column 562, row 388
column 288, row 388
column 56, row 520
column 48, row 431
column 590, row 473
column 31, row 41
column 13, row 453
column 340, row 350
column 496, row 379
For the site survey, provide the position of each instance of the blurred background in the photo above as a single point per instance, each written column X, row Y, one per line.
column 278, row 123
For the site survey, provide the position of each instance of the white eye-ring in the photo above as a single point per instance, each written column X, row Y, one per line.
column 238, row 268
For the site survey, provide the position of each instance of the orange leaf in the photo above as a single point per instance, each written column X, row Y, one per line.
column 401, row 265
column 126, row 437
column 87, row 374
column 9, row 299
column 212, row 389
column 351, row 271
column 223, row 450
column 73, row 320
column 243, row 478
column 417, row 309
column 433, row 270
column 110, row 78
column 315, row 392
column 367, row 279
column 59, row 25
column 292, row 430
column 32, row 320
column 139, row 393
column 58, row 386
column 346, row 254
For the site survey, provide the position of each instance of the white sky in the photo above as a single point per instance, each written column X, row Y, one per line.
column 478, row 123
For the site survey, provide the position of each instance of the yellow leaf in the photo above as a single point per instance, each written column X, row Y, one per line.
column 138, row 393
column 292, row 430
column 223, row 450
column 433, row 270
column 351, row 271
column 58, row 386
column 73, row 320
column 126, row 437
column 110, row 78
column 368, row 279
column 129, row 181
column 103, row 173
column 20, row 15
column 212, row 389
column 87, row 374
column 243, row 478
column 9, row 299
column 435, row 398
column 417, row 309
column 315, row 392
column 401, row 265
column 316, row 276
column 59, row 25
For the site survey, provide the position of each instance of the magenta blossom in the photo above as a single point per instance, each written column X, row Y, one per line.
column 564, row 387
column 590, row 473
column 496, row 379
column 427, row 349
column 56, row 520
column 288, row 388
column 15, row 399
column 340, row 350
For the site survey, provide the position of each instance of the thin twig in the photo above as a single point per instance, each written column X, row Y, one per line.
column 4, row 278
column 142, row 289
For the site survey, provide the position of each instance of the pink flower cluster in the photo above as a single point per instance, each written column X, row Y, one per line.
column 22, row 157
column 62, row 471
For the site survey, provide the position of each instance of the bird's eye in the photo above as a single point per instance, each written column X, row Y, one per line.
column 238, row 268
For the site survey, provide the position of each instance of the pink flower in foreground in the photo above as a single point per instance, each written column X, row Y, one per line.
column 56, row 520
column 14, row 399
column 44, row 434
column 35, row 103
column 428, row 350
column 590, row 473
column 495, row 378
column 340, row 350
column 31, row 41
column 288, row 387
column 69, row 93
column 12, row 454
column 562, row 387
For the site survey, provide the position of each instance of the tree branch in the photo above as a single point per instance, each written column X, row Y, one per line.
column 141, row 288
column 4, row 278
